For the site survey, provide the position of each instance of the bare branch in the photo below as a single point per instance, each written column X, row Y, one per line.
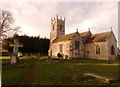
column 6, row 21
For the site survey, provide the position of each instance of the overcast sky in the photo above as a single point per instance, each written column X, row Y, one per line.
column 34, row 18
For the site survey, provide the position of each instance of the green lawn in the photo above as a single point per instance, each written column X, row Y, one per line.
column 58, row 73
column 12, row 75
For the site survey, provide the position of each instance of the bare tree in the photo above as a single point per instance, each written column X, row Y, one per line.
column 6, row 22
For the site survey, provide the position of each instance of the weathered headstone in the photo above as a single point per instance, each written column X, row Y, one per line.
column 15, row 46
column 105, row 79
column 13, row 59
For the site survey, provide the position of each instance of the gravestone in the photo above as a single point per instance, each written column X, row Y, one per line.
column 13, row 59
column 105, row 79
column 14, row 56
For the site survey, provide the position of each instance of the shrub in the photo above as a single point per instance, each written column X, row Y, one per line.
column 66, row 56
column 59, row 55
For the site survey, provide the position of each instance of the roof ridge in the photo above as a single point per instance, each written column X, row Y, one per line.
column 109, row 34
column 75, row 32
column 99, row 37
column 102, row 32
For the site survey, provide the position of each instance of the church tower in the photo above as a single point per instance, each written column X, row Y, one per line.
column 57, row 28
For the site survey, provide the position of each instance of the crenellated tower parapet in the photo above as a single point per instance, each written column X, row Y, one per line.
column 57, row 27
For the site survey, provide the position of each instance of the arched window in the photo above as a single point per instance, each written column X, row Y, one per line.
column 112, row 50
column 97, row 49
column 77, row 45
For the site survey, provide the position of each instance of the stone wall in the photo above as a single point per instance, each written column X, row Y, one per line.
column 74, row 52
column 90, row 51
column 66, row 49
column 105, row 49
column 112, row 41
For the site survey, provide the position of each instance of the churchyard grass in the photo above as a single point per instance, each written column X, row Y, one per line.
column 53, row 76
column 12, row 75
column 59, row 72
column 4, row 57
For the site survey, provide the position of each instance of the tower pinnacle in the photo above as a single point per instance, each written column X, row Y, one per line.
column 111, row 28
column 77, row 29
column 57, row 16
column 88, row 29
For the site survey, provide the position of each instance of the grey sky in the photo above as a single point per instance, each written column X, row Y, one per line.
column 34, row 18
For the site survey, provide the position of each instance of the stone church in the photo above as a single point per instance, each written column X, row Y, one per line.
column 101, row 46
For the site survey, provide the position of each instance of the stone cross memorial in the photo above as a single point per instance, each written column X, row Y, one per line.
column 15, row 46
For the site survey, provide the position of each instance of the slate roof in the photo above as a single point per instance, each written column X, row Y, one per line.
column 83, row 34
column 68, row 36
column 100, row 37
column 63, row 38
